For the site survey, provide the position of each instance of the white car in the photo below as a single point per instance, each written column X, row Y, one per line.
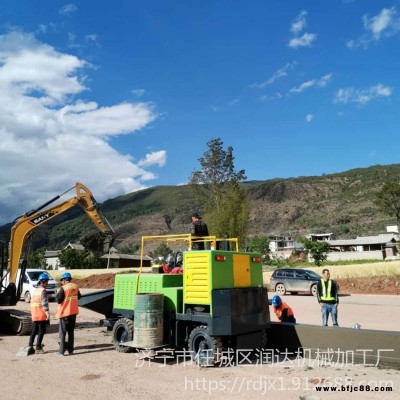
column 30, row 283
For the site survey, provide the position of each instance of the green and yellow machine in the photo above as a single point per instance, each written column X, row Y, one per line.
column 219, row 301
column 218, row 304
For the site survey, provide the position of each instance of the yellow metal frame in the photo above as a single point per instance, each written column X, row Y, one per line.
column 183, row 238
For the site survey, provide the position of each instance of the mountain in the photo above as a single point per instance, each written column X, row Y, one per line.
column 341, row 203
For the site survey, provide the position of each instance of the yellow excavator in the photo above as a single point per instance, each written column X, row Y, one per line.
column 10, row 290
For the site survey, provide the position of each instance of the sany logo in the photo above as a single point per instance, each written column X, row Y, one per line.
column 42, row 218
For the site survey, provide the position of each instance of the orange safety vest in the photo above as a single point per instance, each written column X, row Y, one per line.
column 279, row 310
column 37, row 310
column 70, row 304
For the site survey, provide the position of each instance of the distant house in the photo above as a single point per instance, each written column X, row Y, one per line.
column 53, row 256
column 379, row 247
column 319, row 237
column 115, row 259
column 120, row 260
column 74, row 246
column 283, row 246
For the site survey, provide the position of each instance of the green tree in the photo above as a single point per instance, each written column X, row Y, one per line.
column 73, row 259
column 260, row 244
column 93, row 262
column 318, row 250
column 130, row 248
column 217, row 191
column 161, row 251
column 388, row 200
column 37, row 259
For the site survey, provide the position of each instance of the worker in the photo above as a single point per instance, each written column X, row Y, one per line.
column 328, row 299
column 40, row 314
column 282, row 310
column 198, row 228
column 67, row 298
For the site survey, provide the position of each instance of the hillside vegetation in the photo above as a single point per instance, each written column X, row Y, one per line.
column 340, row 203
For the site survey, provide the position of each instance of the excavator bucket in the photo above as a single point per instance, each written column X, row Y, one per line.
column 97, row 242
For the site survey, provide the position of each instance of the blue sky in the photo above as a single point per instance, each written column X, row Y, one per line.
column 124, row 95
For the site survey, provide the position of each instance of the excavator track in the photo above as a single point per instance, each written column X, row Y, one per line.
column 19, row 322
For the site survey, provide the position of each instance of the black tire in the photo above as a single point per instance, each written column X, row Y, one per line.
column 313, row 290
column 122, row 332
column 206, row 350
column 280, row 289
column 27, row 297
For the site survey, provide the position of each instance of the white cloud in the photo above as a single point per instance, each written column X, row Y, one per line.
column 297, row 26
column 384, row 24
column 88, row 40
column 92, row 39
column 309, row 117
column 68, row 9
column 41, row 28
column 281, row 72
column 322, row 82
column 234, row 102
column 362, row 96
column 380, row 22
column 138, row 92
column 155, row 158
column 302, row 41
column 299, row 23
column 50, row 138
column 265, row 97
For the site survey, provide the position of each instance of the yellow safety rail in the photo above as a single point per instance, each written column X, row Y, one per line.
column 183, row 238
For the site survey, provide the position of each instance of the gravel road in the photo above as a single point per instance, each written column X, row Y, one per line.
column 96, row 370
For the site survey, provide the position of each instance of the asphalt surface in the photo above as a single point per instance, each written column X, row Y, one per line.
column 380, row 312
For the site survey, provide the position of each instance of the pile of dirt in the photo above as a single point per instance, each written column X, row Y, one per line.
column 371, row 285
column 366, row 285
column 102, row 281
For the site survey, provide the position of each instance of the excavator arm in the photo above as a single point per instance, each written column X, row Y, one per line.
column 24, row 225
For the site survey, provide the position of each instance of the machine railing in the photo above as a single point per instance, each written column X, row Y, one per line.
column 210, row 243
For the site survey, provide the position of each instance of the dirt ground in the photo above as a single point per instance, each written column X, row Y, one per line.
column 372, row 285
column 99, row 371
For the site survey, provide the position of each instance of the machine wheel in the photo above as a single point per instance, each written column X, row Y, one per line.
column 280, row 289
column 27, row 297
column 314, row 290
column 206, row 350
column 122, row 332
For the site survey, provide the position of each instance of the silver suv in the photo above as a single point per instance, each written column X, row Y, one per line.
column 294, row 281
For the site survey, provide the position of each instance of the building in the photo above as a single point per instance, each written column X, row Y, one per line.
column 74, row 246
column 283, row 246
column 115, row 259
column 52, row 258
column 318, row 237
column 120, row 260
column 379, row 247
